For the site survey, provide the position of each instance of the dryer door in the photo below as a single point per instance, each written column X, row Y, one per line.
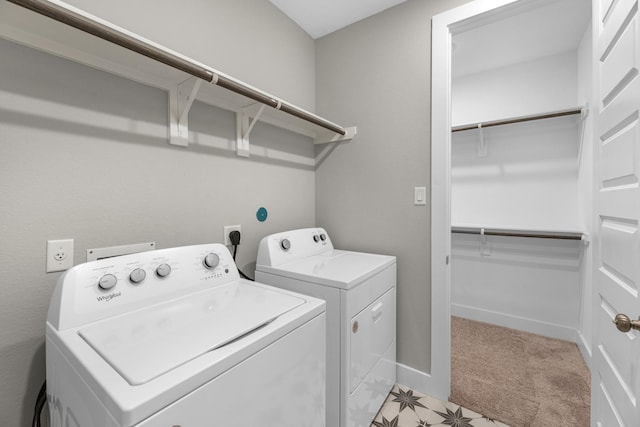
column 372, row 332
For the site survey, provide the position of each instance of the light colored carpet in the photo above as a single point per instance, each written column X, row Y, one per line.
column 521, row 379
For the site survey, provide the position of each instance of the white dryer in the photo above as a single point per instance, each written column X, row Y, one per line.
column 173, row 337
column 360, row 291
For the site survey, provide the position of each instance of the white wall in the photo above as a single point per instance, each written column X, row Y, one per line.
column 250, row 40
column 83, row 155
column 533, row 87
column 529, row 176
column 529, row 179
column 516, row 282
column 585, row 192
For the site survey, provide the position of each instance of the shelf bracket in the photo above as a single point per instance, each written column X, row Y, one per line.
column 485, row 246
column 584, row 113
column 350, row 133
column 244, row 126
column 181, row 98
column 482, row 144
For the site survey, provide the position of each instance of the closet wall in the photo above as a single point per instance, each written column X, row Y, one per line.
column 586, row 192
column 529, row 176
column 535, row 175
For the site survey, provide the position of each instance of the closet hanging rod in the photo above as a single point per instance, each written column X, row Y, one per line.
column 84, row 23
column 562, row 113
column 518, row 233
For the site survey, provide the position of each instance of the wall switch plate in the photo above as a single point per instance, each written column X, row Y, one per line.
column 59, row 255
column 228, row 229
column 419, row 196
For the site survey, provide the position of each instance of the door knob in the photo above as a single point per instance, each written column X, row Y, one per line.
column 625, row 324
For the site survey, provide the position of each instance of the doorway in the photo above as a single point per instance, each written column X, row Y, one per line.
column 502, row 64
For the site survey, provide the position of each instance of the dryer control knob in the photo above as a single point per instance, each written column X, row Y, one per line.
column 137, row 276
column 211, row 261
column 107, row 281
column 316, row 238
column 285, row 244
column 323, row 237
column 163, row 270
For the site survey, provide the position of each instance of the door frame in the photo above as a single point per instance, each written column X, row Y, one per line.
column 444, row 25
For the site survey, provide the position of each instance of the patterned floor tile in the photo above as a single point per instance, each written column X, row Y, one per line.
column 407, row 408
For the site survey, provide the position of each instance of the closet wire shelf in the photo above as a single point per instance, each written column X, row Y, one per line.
column 540, row 234
column 66, row 14
column 513, row 120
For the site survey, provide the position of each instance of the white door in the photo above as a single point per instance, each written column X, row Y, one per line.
column 616, row 355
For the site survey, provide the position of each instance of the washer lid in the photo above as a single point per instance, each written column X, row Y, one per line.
column 336, row 268
column 150, row 342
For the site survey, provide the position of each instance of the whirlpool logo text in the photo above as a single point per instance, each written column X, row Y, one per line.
column 109, row 297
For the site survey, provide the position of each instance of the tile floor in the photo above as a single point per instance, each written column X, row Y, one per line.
column 407, row 408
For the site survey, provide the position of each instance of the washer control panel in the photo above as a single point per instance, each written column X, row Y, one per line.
column 279, row 248
column 285, row 244
column 107, row 281
column 137, row 276
column 211, row 260
column 93, row 290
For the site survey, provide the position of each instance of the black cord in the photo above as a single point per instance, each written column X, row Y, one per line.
column 235, row 249
column 40, row 402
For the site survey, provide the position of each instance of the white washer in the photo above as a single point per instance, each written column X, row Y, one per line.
column 360, row 290
column 173, row 337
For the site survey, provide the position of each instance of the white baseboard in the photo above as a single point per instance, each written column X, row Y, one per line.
column 417, row 380
column 509, row 321
column 585, row 349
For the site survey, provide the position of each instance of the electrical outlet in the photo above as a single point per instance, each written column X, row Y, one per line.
column 59, row 255
column 228, row 229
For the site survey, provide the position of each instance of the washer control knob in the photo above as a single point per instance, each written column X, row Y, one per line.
column 211, row 261
column 107, row 281
column 323, row 237
column 137, row 276
column 285, row 244
column 163, row 270
column 316, row 238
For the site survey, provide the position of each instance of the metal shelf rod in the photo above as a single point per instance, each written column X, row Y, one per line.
column 99, row 29
column 483, row 125
column 518, row 233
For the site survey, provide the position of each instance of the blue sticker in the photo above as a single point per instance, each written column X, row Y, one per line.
column 262, row 214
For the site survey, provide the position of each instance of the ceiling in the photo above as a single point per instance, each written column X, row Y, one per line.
column 542, row 29
column 321, row 17
column 539, row 28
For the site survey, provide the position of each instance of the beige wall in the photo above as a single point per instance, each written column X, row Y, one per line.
column 248, row 39
column 376, row 74
column 83, row 155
